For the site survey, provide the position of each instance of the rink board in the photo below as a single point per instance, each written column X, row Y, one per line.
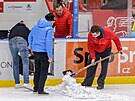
column 72, row 54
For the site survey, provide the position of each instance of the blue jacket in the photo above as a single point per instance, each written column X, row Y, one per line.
column 40, row 37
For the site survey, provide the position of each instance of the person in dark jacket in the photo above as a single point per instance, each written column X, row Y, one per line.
column 18, row 45
column 40, row 42
column 99, row 46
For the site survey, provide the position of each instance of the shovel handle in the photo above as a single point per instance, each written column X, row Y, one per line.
column 94, row 63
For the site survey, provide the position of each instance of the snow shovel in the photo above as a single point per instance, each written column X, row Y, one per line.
column 74, row 73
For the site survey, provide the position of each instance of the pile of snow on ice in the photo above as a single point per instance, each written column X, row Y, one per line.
column 69, row 87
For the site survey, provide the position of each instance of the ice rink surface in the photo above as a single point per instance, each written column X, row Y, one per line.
column 12, row 94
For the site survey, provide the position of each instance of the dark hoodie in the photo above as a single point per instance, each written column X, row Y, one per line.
column 19, row 30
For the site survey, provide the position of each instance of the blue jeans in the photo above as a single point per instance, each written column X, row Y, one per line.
column 18, row 44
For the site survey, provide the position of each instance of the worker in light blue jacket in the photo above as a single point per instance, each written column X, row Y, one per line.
column 40, row 43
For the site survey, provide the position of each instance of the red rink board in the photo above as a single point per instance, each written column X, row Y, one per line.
column 1, row 7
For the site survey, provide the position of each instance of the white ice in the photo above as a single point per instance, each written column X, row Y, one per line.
column 11, row 94
column 69, row 90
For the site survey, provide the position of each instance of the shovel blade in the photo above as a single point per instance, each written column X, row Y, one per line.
column 67, row 71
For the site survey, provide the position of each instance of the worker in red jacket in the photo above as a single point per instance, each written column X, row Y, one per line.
column 99, row 46
column 63, row 23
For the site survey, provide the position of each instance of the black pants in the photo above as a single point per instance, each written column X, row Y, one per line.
column 91, row 71
column 41, row 70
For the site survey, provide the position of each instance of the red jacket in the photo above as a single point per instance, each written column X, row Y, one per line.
column 63, row 24
column 100, row 45
column 95, row 4
column 70, row 6
column 80, row 5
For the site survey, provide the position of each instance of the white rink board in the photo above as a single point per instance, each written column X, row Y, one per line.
column 58, row 66
column 20, row 7
column 5, row 61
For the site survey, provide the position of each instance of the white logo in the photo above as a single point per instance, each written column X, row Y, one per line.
column 120, row 22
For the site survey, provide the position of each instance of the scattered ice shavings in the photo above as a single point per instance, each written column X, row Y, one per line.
column 70, row 88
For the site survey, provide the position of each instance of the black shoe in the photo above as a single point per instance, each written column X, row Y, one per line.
column 43, row 92
column 83, row 84
column 35, row 91
column 100, row 87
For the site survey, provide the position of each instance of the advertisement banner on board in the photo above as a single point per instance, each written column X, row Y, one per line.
column 20, row 7
column 73, row 55
column 119, row 65
column 76, row 56
column 117, row 20
column 6, row 64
